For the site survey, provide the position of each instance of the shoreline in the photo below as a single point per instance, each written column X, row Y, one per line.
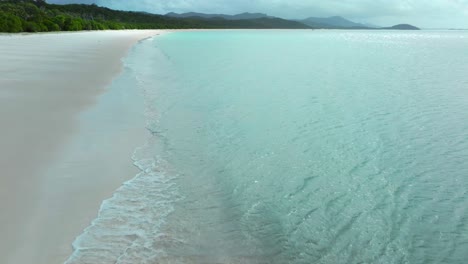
column 48, row 195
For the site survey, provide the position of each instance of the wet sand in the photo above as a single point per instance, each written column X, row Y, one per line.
column 56, row 165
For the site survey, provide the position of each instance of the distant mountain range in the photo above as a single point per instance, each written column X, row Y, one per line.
column 334, row 22
column 403, row 27
column 242, row 16
column 39, row 16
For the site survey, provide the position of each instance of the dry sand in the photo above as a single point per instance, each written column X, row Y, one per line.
column 56, row 167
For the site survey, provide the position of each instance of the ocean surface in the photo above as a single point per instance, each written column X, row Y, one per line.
column 294, row 146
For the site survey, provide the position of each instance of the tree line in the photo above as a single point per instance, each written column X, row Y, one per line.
column 39, row 16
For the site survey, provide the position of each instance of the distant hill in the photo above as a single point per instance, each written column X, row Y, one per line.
column 332, row 22
column 243, row 20
column 337, row 22
column 39, row 16
column 314, row 22
column 370, row 25
column 403, row 27
column 258, row 23
column 242, row 16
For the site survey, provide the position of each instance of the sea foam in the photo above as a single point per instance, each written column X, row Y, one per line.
column 294, row 147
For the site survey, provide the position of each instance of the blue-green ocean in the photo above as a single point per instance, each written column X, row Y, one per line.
column 300, row 146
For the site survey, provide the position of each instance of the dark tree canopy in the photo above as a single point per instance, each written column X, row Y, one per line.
column 38, row 16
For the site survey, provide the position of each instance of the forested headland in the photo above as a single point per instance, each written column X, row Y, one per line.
column 39, row 16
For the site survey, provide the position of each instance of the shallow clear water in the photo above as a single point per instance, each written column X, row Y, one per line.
column 294, row 147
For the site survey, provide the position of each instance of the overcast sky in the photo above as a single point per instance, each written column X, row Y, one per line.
column 422, row 13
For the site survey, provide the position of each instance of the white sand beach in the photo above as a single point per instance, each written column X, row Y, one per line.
column 56, row 166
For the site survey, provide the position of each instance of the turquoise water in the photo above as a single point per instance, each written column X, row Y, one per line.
column 294, row 147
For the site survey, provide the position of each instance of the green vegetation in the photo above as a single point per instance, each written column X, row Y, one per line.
column 39, row 16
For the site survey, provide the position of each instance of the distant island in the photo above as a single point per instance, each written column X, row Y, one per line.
column 40, row 16
column 334, row 22
column 403, row 27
